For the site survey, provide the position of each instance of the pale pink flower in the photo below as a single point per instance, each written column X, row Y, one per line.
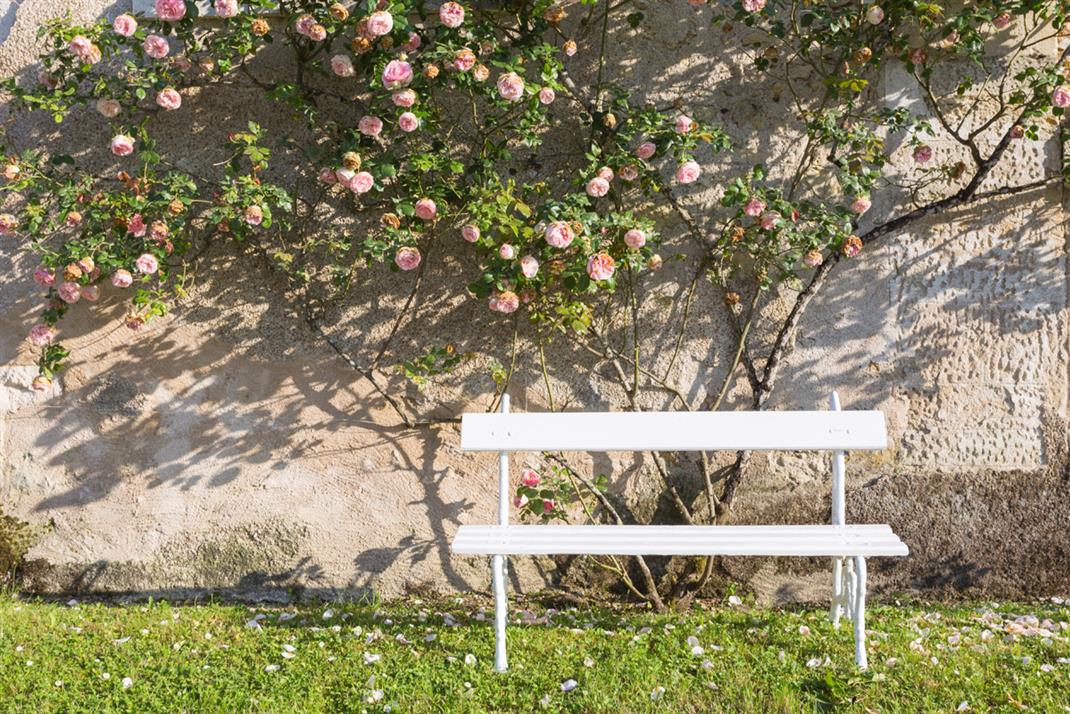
column 317, row 33
column 570, row 48
column 506, row 251
column 156, row 46
column 1002, row 20
column 923, row 154
column 158, row 231
column 146, row 263
column 635, row 239
column 529, row 266
column 629, row 172
column 122, row 278
column 90, row 293
column 109, row 108
column 600, row 266
column 408, row 258
column 860, row 205
column 342, row 66
column 753, row 6
column 451, row 14
column 1017, row 131
column 530, row 478
column 547, row 96
column 511, row 86
column 370, row 126
column 464, row 60
column 852, row 246
column 169, row 99
column 8, row 224
column 41, row 335
column 86, row 264
column 136, row 225
column 559, row 234
column 413, row 43
column 408, row 122
column 43, row 276
column 41, row 383
column 548, row 505
column 303, row 24
column 769, row 219
column 1061, row 96
column 171, row 10
column 344, row 176
column 397, row 74
column 404, row 98
column 327, row 176
column 83, row 48
column 46, row 80
column 12, row 171
column 597, row 187
column 754, row 207
column 683, row 124
column 380, row 23
column 918, row 55
column 122, row 145
column 688, row 172
column 226, row 8
column 254, row 215
column 480, row 73
column 362, row 182
column 505, row 302
column 70, row 292
column 518, row 501
column 470, row 232
column 74, row 219
column 606, row 173
column 124, row 25
column 875, row 15
column 645, row 150
column 813, row 258
column 654, row 262
column 426, row 209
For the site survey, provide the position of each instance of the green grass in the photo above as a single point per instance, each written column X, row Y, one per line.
column 405, row 657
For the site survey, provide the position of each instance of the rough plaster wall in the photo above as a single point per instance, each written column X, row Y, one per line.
column 228, row 449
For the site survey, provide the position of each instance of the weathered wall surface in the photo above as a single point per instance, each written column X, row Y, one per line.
column 226, row 447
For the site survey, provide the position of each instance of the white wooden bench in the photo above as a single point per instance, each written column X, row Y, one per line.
column 836, row 431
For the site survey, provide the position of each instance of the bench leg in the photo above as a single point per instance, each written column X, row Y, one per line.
column 837, row 592
column 500, row 662
column 860, row 612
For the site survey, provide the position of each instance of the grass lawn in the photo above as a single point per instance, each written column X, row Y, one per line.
column 436, row 657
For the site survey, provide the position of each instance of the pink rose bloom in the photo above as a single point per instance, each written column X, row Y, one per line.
column 122, row 278
column 654, row 262
column 1001, row 21
column 754, row 207
column 529, row 266
column 426, row 209
column 362, row 182
column 505, row 302
column 464, row 60
column 519, row 501
column 41, row 383
column 70, row 292
column 768, row 220
column 683, row 124
column 397, row 74
column 83, row 48
column 342, row 65
column 875, row 15
column 1061, row 96
column 136, row 225
column 559, row 234
column 109, row 108
column 511, row 86
column 451, row 14
column 547, row 96
column 370, row 126
column 530, row 478
column 304, row 24
column 413, row 43
column 606, row 173
column 408, row 258
column 41, row 335
column 158, row 231
column 629, row 172
column 1017, row 131
column 169, row 99
column 86, row 265
column 600, row 266
column 470, row 232
column 923, row 154
column 635, row 239
column 122, row 145
column 404, row 98
column 814, row 258
column 753, row 6
column 317, row 33
column 852, row 246
column 156, row 46
column 506, row 251
column 254, row 215
column 146, row 263
column 548, row 505
column 124, row 25
column 91, row 292
column 860, row 205
column 645, row 150
column 688, row 172
column 44, row 277
column 344, row 176
column 380, row 23
column 171, row 10
column 7, row 224
column 327, row 176
column 918, row 55
column 408, row 122
column 597, row 187
column 226, row 8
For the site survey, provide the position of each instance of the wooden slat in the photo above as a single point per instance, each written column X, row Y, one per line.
column 817, row 540
column 675, row 431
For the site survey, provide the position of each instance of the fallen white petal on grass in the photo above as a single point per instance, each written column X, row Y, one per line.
column 370, row 658
column 127, row 682
column 568, row 685
column 963, row 706
column 254, row 625
column 804, row 630
column 588, row 662
column 327, row 615
column 470, row 659
column 657, row 693
column 815, row 662
column 734, row 600
column 271, row 668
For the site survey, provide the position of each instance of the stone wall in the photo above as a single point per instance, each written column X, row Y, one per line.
column 228, row 448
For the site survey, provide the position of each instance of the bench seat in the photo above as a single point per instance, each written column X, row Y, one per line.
column 792, row 540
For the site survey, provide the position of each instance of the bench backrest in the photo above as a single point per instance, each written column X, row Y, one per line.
column 675, row 431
